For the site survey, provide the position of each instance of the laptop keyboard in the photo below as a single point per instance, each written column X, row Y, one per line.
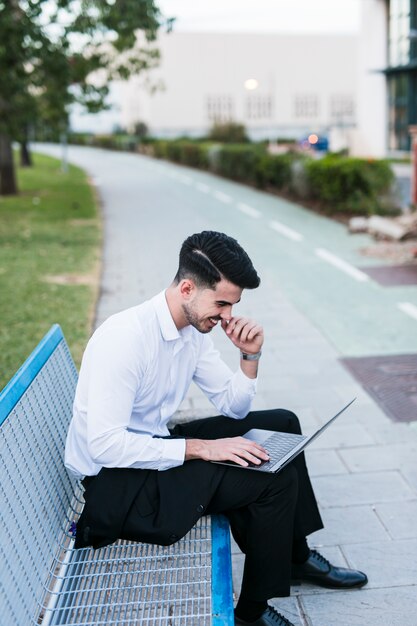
column 278, row 445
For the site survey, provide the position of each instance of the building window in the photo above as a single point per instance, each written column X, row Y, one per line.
column 401, row 73
column 342, row 108
column 306, row 106
column 399, row 32
column 220, row 109
column 258, row 107
column 398, row 114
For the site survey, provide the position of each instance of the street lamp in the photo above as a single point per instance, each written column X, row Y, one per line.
column 251, row 84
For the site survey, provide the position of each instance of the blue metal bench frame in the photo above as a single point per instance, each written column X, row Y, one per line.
column 42, row 577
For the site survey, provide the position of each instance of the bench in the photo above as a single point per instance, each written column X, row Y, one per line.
column 43, row 579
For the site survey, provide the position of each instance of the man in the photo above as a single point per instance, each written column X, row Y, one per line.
column 148, row 483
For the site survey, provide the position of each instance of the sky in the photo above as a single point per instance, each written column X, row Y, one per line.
column 296, row 16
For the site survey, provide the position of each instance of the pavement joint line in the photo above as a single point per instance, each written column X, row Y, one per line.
column 286, row 231
column 303, row 615
column 408, row 308
column 203, row 187
column 342, row 265
column 248, row 210
column 223, row 197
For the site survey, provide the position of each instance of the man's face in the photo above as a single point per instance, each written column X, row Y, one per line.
column 208, row 306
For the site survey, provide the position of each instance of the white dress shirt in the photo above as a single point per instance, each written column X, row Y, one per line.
column 135, row 372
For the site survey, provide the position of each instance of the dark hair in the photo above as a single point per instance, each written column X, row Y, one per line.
column 209, row 256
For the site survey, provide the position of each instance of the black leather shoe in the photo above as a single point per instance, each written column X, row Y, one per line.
column 270, row 617
column 320, row 571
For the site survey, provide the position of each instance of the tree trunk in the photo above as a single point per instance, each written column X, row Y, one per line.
column 25, row 156
column 8, row 184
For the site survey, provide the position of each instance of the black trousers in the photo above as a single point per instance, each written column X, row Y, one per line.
column 267, row 513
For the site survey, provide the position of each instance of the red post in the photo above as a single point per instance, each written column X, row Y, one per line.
column 413, row 133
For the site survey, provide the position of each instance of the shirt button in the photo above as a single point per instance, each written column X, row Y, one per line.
column 173, row 537
column 200, row 508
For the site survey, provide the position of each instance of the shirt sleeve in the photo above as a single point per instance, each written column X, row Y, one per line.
column 115, row 378
column 231, row 393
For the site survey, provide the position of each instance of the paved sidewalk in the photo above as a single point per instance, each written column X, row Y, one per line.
column 364, row 467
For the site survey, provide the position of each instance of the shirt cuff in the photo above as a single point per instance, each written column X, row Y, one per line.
column 246, row 384
column 173, row 453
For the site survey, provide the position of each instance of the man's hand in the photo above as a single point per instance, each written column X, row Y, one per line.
column 244, row 333
column 237, row 449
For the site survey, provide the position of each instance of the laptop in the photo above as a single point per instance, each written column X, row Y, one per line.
column 281, row 447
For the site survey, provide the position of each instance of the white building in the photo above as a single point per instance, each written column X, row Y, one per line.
column 277, row 85
column 371, row 136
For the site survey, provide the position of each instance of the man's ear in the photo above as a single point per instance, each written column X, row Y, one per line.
column 187, row 288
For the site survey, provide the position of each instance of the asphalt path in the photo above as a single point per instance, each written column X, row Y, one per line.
column 311, row 259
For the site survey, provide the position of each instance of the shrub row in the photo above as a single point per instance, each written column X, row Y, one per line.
column 350, row 184
column 338, row 184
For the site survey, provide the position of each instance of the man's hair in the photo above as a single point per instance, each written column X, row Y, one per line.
column 209, row 256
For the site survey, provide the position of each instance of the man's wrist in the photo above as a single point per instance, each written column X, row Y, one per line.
column 247, row 356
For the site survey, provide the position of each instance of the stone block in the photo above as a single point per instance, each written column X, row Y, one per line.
column 387, row 563
column 342, row 525
column 399, row 520
column 386, row 228
column 379, row 457
column 364, row 607
column 324, row 463
column 366, row 488
column 344, row 435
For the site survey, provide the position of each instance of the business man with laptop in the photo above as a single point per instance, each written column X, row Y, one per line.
column 148, row 482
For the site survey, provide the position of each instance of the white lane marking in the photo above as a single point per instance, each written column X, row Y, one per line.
column 223, row 197
column 408, row 308
column 248, row 210
column 202, row 187
column 185, row 179
column 286, row 231
column 341, row 265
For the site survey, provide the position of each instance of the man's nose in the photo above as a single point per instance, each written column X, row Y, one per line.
column 226, row 314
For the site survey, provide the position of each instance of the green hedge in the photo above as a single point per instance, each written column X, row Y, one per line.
column 189, row 153
column 239, row 162
column 349, row 184
column 339, row 184
column 276, row 170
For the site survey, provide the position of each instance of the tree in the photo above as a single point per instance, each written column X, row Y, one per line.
column 57, row 52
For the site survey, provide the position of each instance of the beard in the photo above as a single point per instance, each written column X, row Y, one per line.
column 200, row 324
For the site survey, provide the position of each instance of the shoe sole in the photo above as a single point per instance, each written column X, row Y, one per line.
column 297, row 582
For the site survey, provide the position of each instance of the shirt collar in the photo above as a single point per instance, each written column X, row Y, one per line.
column 168, row 329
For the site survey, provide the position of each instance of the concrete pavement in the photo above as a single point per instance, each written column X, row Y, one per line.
column 364, row 467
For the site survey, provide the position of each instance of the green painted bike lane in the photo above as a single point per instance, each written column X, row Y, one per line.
column 291, row 246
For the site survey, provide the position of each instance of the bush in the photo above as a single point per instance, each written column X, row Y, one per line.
column 275, row 170
column 181, row 151
column 81, row 139
column 194, row 154
column 349, row 184
column 228, row 133
column 239, row 162
column 173, row 151
column 159, row 148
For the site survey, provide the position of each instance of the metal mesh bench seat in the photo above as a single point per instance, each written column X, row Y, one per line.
column 43, row 579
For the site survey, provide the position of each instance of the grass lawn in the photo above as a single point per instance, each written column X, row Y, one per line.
column 49, row 261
